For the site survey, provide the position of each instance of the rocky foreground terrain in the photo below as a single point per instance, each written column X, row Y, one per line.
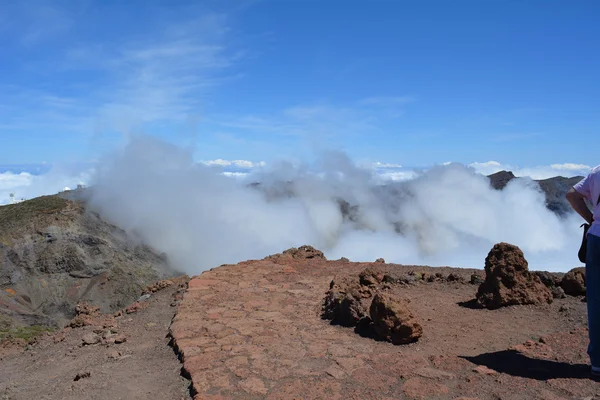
column 296, row 326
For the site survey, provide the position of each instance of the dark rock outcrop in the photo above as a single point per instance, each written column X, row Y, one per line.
column 476, row 279
column 347, row 302
column 500, row 179
column 508, row 280
column 573, row 283
column 553, row 282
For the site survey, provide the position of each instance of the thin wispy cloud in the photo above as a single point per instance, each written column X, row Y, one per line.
column 234, row 163
column 35, row 22
column 322, row 120
column 122, row 83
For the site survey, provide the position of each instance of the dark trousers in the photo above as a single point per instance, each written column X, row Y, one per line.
column 592, row 283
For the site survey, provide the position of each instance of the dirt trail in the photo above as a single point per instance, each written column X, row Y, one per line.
column 143, row 367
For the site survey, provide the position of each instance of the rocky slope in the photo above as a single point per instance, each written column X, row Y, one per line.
column 122, row 357
column 55, row 254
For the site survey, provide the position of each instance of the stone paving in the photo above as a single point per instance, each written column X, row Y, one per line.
column 253, row 331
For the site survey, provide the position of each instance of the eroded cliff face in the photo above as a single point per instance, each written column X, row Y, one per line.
column 55, row 254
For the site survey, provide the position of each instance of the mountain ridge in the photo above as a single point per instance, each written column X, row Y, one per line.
column 553, row 188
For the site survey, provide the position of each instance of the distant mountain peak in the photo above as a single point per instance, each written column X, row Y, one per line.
column 500, row 179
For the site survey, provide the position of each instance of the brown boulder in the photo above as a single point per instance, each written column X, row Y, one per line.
column 454, row 277
column 508, row 280
column 300, row 253
column 548, row 278
column 476, row 279
column 393, row 321
column 369, row 277
column 573, row 283
column 120, row 339
column 90, row 338
column 86, row 314
column 347, row 302
column 558, row 292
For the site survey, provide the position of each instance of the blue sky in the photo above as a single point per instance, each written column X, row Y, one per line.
column 409, row 82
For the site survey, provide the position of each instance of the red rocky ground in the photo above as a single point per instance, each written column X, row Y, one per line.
column 254, row 331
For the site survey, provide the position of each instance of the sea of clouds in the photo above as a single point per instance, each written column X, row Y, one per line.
column 201, row 217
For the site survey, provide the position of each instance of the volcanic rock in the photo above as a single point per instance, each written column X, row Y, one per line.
column 86, row 314
column 573, row 283
column 90, row 338
column 370, row 277
column 347, row 302
column 120, row 339
column 508, row 280
column 155, row 287
column 454, row 277
column 552, row 281
column 82, row 375
column 301, row 253
column 558, row 292
column 393, row 321
column 476, row 279
column 548, row 278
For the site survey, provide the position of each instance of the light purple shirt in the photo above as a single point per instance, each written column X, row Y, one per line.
column 589, row 187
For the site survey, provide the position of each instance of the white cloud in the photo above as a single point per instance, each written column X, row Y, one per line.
column 9, row 180
column 398, row 175
column 535, row 172
column 570, row 167
column 448, row 215
column 386, row 165
column 27, row 186
column 236, row 174
column 234, row 163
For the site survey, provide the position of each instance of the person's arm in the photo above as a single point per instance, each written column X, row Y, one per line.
column 577, row 201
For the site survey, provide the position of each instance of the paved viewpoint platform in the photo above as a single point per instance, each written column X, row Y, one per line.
column 254, row 331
